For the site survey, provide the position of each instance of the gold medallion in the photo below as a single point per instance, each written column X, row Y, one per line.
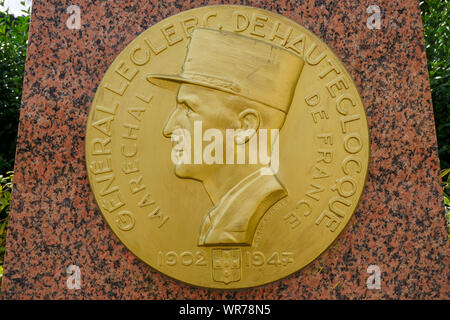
column 227, row 146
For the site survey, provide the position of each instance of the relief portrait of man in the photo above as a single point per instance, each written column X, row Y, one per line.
column 231, row 81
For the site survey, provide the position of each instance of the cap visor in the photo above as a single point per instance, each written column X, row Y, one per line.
column 165, row 81
column 171, row 82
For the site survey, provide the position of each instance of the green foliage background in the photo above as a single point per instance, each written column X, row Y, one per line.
column 13, row 46
column 436, row 27
column 13, row 50
column 5, row 200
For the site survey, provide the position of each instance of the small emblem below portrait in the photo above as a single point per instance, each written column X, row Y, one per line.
column 226, row 264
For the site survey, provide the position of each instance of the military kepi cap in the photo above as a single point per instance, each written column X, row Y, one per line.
column 239, row 65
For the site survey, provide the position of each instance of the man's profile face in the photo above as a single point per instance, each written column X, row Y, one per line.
column 197, row 103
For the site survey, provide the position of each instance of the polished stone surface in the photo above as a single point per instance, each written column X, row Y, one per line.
column 399, row 224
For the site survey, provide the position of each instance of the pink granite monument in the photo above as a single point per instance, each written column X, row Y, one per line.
column 399, row 225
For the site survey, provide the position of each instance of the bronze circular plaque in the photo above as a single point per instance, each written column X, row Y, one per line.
column 227, row 146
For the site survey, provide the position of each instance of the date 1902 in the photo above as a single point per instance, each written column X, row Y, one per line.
column 185, row 258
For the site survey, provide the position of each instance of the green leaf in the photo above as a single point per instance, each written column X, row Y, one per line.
column 2, row 228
